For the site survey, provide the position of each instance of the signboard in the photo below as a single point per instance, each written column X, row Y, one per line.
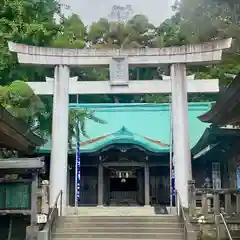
column 119, row 74
column 41, row 218
column 15, row 196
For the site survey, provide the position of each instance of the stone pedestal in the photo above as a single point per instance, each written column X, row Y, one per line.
column 59, row 151
column 181, row 145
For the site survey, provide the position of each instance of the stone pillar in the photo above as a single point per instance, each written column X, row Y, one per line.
column 59, row 148
column 100, row 185
column 146, row 185
column 192, row 198
column 181, row 145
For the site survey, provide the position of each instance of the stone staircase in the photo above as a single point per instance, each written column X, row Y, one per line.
column 83, row 226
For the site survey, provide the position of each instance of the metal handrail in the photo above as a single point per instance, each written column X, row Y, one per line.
column 53, row 215
column 181, row 207
column 226, row 226
column 55, row 205
column 181, row 213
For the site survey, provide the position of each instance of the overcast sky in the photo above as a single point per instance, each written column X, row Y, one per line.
column 91, row 10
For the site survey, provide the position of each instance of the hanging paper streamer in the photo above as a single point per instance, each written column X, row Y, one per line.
column 77, row 174
column 238, row 178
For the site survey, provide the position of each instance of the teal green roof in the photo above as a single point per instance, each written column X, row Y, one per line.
column 146, row 125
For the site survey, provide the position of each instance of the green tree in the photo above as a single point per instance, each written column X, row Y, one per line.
column 169, row 33
column 134, row 33
column 19, row 99
column 124, row 31
column 72, row 34
column 203, row 20
column 77, row 119
column 29, row 22
column 206, row 20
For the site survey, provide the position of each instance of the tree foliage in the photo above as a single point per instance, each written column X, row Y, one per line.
column 204, row 20
column 30, row 22
column 19, row 99
column 33, row 22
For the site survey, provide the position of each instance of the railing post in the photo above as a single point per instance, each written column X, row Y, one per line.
column 204, row 209
column 228, row 203
column 217, row 222
column 61, row 203
column 192, row 198
column 237, row 202
column 216, row 203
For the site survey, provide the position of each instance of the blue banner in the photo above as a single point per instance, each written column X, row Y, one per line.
column 173, row 180
column 77, row 173
column 238, row 178
column 173, row 167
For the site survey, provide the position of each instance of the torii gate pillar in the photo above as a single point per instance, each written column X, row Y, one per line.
column 181, row 142
column 177, row 57
column 59, row 144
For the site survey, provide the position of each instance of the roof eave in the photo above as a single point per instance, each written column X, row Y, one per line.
column 21, row 131
column 220, row 113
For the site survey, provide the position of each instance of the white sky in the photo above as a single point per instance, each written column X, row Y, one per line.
column 91, row 10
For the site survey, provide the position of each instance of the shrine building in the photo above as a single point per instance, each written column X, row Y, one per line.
column 126, row 161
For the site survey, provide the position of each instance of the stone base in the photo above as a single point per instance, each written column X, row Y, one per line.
column 32, row 232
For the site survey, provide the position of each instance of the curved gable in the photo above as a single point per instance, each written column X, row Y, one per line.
column 123, row 136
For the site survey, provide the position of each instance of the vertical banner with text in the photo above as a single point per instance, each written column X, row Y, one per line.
column 172, row 161
column 77, row 174
column 173, row 175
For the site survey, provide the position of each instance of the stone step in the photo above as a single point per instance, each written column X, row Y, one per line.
column 119, row 235
column 113, row 211
column 129, row 229
column 235, row 234
column 72, row 238
column 119, row 224
column 126, row 223
column 116, row 219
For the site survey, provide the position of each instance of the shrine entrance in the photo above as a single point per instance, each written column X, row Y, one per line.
column 125, row 186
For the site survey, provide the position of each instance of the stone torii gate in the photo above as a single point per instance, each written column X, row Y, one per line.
column 119, row 61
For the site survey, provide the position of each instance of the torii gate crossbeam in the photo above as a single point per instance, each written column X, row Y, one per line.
column 134, row 87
